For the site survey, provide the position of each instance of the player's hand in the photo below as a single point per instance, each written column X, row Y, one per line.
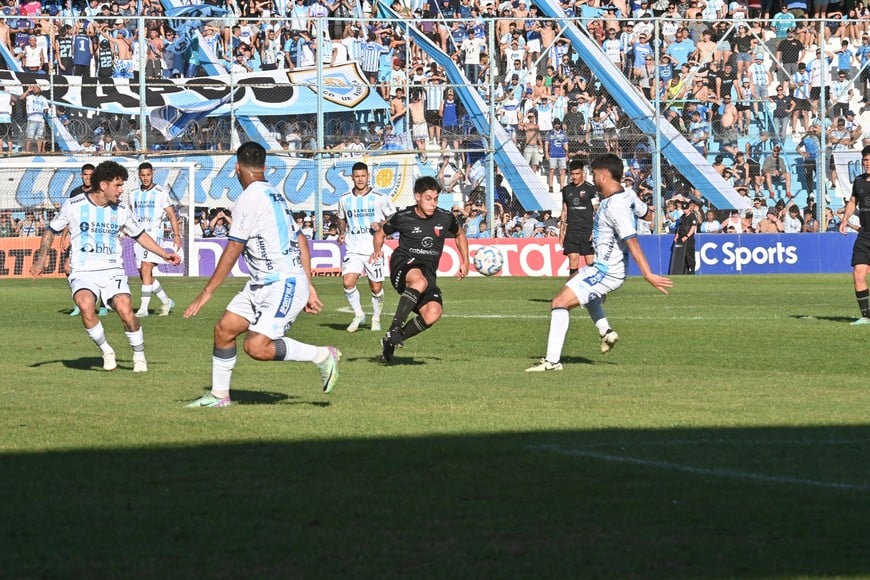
column 314, row 305
column 376, row 257
column 660, row 283
column 341, row 238
column 463, row 271
column 843, row 228
column 174, row 259
column 36, row 270
column 197, row 304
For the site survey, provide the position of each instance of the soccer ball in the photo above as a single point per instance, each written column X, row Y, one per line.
column 488, row 260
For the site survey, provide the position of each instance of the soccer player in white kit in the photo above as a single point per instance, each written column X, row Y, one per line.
column 360, row 214
column 149, row 202
column 614, row 234
column 279, row 261
column 95, row 221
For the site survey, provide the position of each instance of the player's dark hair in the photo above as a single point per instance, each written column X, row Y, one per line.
column 610, row 162
column 109, row 171
column 146, row 166
column 88, row 167
column 359, row 166
column 576, row 165
column 426, row 183
column 251, row 154
column 865, row 151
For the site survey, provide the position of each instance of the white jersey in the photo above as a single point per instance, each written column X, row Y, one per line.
column 614, row 223
column 360, row 212
column 95, row 243
column 263, row 222
column 149, row 206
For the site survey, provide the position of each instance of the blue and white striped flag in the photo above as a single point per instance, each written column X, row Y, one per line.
column 172, row 121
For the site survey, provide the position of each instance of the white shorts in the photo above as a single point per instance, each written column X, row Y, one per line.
column 558, row 163
column 104, row 284
column 533, row 45
column 143, row 255
column 271, row 309
column 420, row 130
column 591, row 283
column 358, row 263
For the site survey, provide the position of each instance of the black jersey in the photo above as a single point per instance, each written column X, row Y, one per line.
column 421, row 238
column 78, row 191
column 578, row 199
column 861, row 193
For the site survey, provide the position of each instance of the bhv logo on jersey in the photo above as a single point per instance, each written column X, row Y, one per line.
column 731, row 254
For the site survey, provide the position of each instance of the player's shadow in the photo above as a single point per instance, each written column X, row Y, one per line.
column 88, row 363
column 574, row 360
column 847, row 319
column 543, row 300
column 402, row 361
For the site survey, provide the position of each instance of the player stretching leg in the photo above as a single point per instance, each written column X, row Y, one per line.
column 360, row 214
column 150, row 201
column 280, row 286
column 422, row 230
column 96, row 264
column 614, row 236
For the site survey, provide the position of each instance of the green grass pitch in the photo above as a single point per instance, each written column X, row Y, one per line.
column 726, row 435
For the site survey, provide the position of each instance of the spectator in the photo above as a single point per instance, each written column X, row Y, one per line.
column 809, row 148
column 776, row 173
column 772, row 224
column 37, row 107
column 32, row 226
column 810, row 224
column 711, row 225
column 556, row 153
column 220, row 223
column 7, row 225
column 791, row 219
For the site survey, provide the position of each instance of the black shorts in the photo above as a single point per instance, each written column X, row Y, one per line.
column 861, row 250
column 802, row 105
column 576, row 243
column 399, row 268
column 816, row 92
column 433, row 118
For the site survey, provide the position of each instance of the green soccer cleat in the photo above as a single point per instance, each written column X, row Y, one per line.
column 329, row 369
column 860, row 321
column 103, row 311
column 209, row 400
column 75, row 311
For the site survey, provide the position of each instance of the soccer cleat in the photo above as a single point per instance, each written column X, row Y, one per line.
column 387, row 349
column 209, row 400
column 141, row 313
column 140, row 365
column 860, row 321
column 109, row 363
column 103, row 311
column 75, row 311
column 357, row 320
column 545, row 365
column 329, row 369
column 167, row 308
column 376, row 324
column 608, row 340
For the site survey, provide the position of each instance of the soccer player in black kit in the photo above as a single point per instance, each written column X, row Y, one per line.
column 422, row 230
column 860, row 202
column 575, row 227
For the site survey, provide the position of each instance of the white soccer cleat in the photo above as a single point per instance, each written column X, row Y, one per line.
column 141, row 313
column 376, row 324
column 140, row 365
column 545, row 365
column 109, row 362
column 357, row 320
column 167, row 308
column 608, row 340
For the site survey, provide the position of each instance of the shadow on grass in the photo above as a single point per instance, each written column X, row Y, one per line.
column 771, row 502
column 841, row 319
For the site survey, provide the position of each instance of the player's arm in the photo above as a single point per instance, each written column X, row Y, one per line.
column 224, row 266
column 660, row 283
column 176, row 228
column 147, row 242
column 850, row 209
column 314, row 305
column 44, row 246
column 378, row 245
column 563, row 223
column 462, row 246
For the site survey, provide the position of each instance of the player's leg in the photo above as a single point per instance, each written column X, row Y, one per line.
column 415, row 284
column 119, row 297
column 146, row 274
column 265, row 339
column 375, row 273
column 560, row 319
column 85, row 292
column 860, row 270
column 351, row 268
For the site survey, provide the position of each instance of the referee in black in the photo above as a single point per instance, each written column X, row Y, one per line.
column 860, row 202
column 575, row 225
column 422, row 229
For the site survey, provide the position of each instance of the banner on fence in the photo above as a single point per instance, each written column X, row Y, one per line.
column 715, row 254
